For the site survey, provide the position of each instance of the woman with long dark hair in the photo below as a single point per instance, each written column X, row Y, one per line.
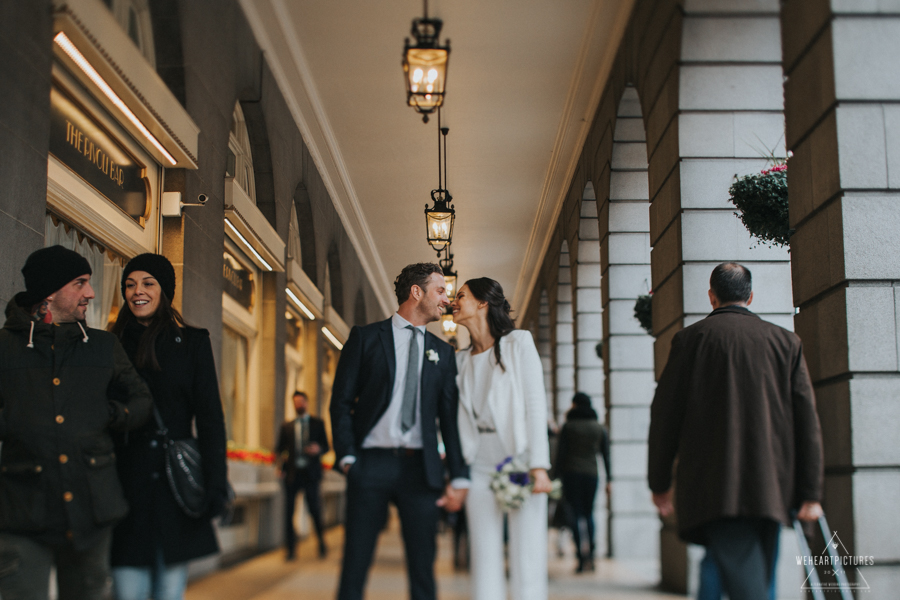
column 152, row 546
column 502, row 414
column 581, row 439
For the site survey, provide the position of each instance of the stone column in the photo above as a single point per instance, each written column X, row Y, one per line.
column 565, row 338
column 842, row 100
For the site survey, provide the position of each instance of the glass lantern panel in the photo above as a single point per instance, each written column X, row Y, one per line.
column 426, row 71
column 450, row 286
column 440, row 227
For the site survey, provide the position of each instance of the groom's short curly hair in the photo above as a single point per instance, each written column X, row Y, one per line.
column 415, row 274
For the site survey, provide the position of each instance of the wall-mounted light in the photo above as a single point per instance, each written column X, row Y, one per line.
column 248, row 245
column 425, row 65
column 331, row 338
column 63, row 41
column 299, row 304
column 439, row 218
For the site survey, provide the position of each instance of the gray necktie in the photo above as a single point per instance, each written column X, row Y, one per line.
column 408, row 409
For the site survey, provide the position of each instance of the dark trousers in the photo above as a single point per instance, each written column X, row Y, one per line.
column 379, row 477
column 744, row 551
column 25, row 569
column 311, row 489
column 580, row 490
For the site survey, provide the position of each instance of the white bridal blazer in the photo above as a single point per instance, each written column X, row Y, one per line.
column 516, row 399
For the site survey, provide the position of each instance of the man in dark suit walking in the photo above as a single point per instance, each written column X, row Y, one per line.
column 301, row 444
column 735, row 404
column 395, row 384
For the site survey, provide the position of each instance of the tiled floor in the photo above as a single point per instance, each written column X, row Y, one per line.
column 269, row 577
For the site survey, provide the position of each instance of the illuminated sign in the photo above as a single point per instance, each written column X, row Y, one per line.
column 238, row 281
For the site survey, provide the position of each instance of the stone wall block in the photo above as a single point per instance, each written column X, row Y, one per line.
column 628, row 185
column 589, row 326
column 629, row 217
column 771, row 287
column 731, row 6
column 589, row 300
column 631, row 387
column 817, row 254
column 874, row 498
column 565, row 355
column 629, row 155
column 662, row 112
column 861, row 146
column 630, row 130
column 635, row 536
column 564, row 275
column 865, row 58
column 757, row 134
column 564, row 294
column 588, row 208
column 892, row 143
column 667, row 253
column 665, row 206
column 718, row 39
column 629, row 104
column 629, row 248
column 587, row 354
column 809, row 90
column 630, row 352
column 838, row 504
column 871, row 329
column 663, row 160
column 590, row 381
column 588, row 275
column 629, row 423
column 589, row 230
column 870, row 240
column 705, row 134
column 663, row 345
column 628, row 281
column 628, row 459
column 705, row 183
column 875, row 413
column 564, row 312
column 801, row 20
column 621, row 318
column 718, row 235
column 823, row 328
column 658, row 53
column 744, row 87
column 668, row 301
column 814, row 170
column 630, row 496
column 564, row 333
column 833, row 407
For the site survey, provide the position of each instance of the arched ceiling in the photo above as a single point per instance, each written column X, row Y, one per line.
column 524, row 80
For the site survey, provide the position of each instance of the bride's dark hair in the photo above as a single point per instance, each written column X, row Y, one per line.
column 485, row 289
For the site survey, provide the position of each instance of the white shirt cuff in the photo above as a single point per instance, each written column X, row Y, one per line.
column 460, row 484
column 346, row 461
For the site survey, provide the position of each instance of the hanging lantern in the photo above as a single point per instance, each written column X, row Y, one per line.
column 450, row 278
column 425, row 66
column 439, row 219
column 448, row 324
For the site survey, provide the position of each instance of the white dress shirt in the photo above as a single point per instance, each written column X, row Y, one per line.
column 387, row 432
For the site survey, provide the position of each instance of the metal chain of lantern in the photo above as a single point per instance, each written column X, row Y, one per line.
column 425, row 65
column 439, row 218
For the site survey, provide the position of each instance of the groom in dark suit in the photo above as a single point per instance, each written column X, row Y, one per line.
column 394, row 383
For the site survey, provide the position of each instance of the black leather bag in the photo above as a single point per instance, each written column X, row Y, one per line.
column 184, row 470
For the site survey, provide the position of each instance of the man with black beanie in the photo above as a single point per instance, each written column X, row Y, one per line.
column 63, row 388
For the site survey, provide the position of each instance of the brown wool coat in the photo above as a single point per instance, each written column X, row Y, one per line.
column 735, row 405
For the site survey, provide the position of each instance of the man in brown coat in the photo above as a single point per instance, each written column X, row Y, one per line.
column 735, row 406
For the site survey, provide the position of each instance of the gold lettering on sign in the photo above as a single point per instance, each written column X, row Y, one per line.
column 86, row 146
column 232, row 277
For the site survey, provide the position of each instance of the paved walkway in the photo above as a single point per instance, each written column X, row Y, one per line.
column 269, row 577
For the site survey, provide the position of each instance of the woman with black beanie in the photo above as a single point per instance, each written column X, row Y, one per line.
column 152, row 546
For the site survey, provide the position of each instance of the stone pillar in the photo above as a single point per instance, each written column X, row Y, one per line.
column 842, row 101
column 625, row 239
column 545, row 347
column 565, row 338
column 589, row 374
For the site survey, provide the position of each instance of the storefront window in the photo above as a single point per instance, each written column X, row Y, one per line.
column 106, row 269
column 234, row 384
column 240, row 159
column 295, row 362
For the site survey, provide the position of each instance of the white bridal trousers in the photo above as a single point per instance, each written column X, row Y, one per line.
column 527, row 535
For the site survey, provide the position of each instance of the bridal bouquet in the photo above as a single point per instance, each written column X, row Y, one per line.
column 512, row 485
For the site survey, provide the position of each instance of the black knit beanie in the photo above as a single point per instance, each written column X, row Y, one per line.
column 50, row 269
column 158, row 266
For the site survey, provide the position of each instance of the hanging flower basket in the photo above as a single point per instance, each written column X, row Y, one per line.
column 643, row 312
column 762, row 200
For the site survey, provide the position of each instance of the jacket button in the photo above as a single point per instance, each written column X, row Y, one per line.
column 68, row 496
column 63, row 459
column 38, row 469
column 154, row 443
column 56, row 381
column 59, row 419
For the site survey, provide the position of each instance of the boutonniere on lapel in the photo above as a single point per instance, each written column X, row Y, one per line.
column 432, row 356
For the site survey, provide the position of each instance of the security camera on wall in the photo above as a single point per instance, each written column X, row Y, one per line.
column 172, row 204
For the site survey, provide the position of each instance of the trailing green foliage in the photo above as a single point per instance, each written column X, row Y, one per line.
column 763, row 203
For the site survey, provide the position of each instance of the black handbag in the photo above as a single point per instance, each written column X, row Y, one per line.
column 184, row 470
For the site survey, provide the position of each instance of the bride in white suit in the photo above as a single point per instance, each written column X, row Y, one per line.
column 502, row 413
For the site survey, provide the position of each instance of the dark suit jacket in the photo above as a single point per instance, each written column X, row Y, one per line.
column 287, row 449
column 736, row 406
column 362, row 392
